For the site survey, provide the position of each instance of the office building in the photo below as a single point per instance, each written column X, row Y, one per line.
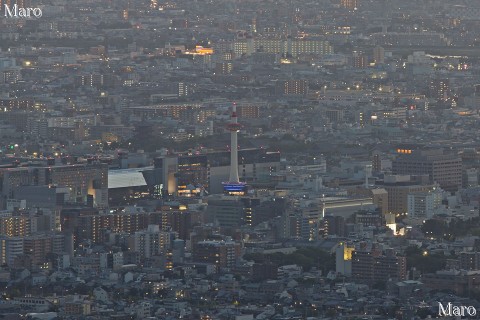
column 228, row 211
column 45, row 196
column 344, row 206
column 85, row 183
column 398, row 192
column 125, row 186
column 379, row 196
column 167, row 168
column 369, row 218
column 380, row 199
column 208, row 171
column 442, row 168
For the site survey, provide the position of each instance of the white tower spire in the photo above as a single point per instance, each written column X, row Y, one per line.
column 234, row 186
column 234, row 127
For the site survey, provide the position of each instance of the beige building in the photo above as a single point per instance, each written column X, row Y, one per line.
column 398, row 196
column 444, row 169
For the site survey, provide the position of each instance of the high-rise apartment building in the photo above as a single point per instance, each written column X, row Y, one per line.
column 223, row 67
column 15, row 225
column 371, row 265
column 333, row 225
column 440, row 89
column 152, row 242
column 424, row 204
column 179, row 221
column 223, row 254
column 379, row 55
column 22, row 224
column 248, row 111
column 37, row 247
column 477, row 95
column 376, row 162
column 291, row 87
column 277, row 45
column 470, row 260
column 299, row 47
column 343, row 259
column 359, row 60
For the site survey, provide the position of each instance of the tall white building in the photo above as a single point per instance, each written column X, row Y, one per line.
column 424, row 204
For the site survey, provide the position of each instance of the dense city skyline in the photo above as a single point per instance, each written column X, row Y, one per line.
column 239, row 160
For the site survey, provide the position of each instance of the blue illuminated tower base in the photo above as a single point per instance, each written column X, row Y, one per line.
column 235, row 188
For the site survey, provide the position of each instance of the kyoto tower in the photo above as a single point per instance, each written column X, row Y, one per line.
column 234, row 186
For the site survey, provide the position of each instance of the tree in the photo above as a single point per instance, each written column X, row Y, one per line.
column 423, row 260
column 434, row 228
column 379, row 285
column 305, row 257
